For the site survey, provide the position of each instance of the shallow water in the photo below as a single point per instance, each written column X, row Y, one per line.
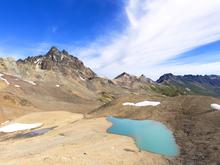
column 149, row 135
column 35, row 133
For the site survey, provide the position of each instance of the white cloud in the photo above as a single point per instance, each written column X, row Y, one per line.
column 181, row 69
column 159, row 30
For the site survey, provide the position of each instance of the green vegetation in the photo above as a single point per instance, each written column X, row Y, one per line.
column 106, row 97
column 169, row 90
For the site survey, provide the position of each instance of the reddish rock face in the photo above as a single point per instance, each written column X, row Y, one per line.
column 59, row 61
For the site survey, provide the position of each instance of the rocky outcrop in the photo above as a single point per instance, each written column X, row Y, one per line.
column 62, row 61
column 8, row 65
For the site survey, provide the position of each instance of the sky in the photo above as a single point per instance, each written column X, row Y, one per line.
column 150, row 37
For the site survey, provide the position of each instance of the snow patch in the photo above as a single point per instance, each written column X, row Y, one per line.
column 142, row 104
column 215, row 106
column 19, row 127
column 128, row 103
column 81, row 78
column 30, row 82
column 188, row 89
column 57, row 86
column 17, row 86
column 1, row 78
column 37, row 61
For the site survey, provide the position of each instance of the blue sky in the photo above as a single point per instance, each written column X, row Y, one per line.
column 29, row 23
column 202, row 54
column 113, row 36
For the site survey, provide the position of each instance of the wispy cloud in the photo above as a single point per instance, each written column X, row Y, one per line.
column 159, row 30
column 158, row 33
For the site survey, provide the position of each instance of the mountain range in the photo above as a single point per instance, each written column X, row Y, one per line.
column 56, row 62
column 59, row 81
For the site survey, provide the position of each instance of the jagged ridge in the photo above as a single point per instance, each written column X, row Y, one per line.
column 59, row 61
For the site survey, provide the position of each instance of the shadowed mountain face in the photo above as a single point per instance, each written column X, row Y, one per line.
column 204, row 85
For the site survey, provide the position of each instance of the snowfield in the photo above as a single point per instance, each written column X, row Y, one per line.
column 19, row 127
column 142, row 104
column 215, row 106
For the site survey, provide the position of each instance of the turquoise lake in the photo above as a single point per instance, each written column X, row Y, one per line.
column 149, row 135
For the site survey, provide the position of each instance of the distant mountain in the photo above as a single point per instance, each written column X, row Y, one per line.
column 58, row 81
column 63, row 68
column 131, row 81
column 125, row 79
column 197, row 84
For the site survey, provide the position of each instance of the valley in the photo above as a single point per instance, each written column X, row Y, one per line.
column 72, row 102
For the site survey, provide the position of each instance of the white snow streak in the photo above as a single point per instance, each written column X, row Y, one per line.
column 143, row 103
column 19, row 127
column 215, row 106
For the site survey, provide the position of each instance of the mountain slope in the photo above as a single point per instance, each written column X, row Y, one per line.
column 194, row 84
column 58, row 81
column 61, row 61
column 128, row 81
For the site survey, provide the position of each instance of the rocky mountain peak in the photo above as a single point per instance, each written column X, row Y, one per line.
column 127, row 80
column 55, row 54
column 54, row 50
column 123, row 75
column 61, row 61
column 165, row 77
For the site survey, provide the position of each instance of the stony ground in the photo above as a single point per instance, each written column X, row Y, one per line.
column 196, row 127
column 73, row 140
column 79, row 140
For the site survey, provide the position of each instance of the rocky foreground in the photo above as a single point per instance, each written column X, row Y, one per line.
column 82, row 138
column 195, row 125
column 71, row 140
